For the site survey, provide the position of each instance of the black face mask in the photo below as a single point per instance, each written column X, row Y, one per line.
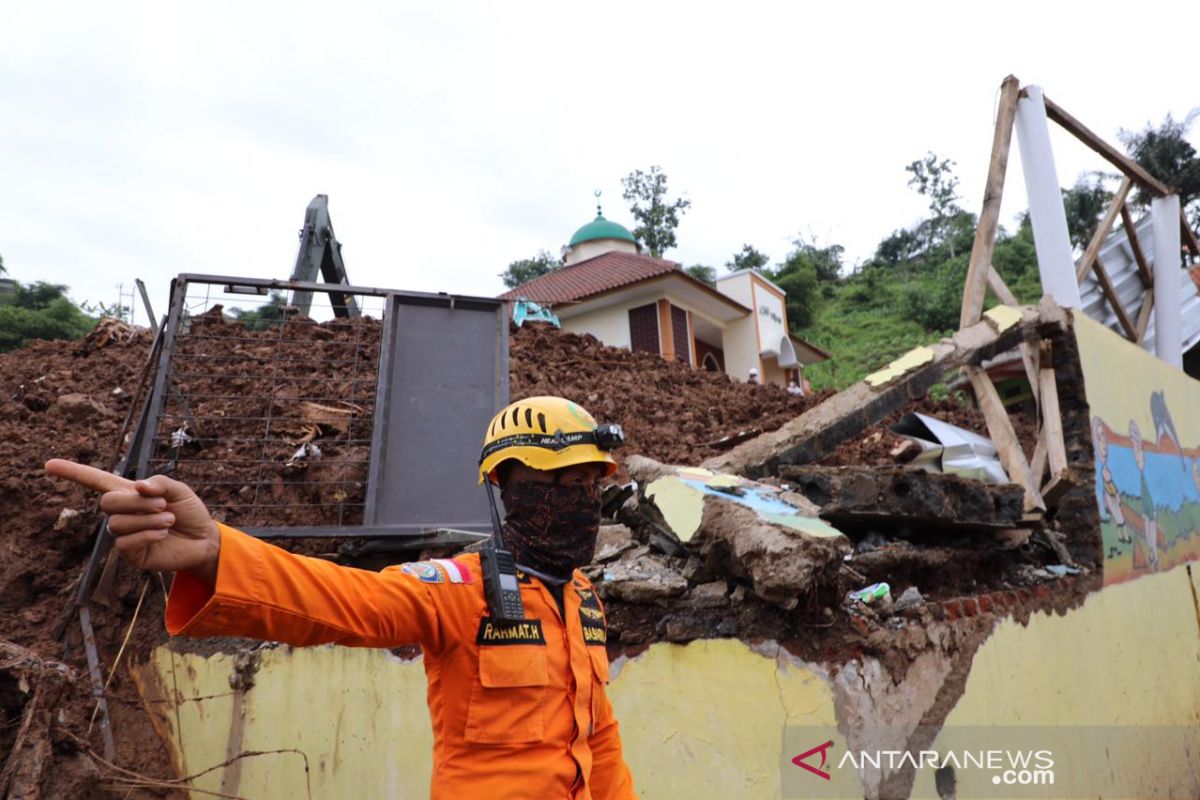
column 551, row 527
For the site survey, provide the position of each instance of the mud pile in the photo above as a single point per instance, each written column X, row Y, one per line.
column 73, row 399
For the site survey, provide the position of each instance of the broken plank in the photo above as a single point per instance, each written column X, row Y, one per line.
column 1000, row 288
column 1037, row 464
column 1139, row 256
column 985, row 232
column 1143, row 322
column 1001, row 431
column 819, row 430
column 1058, row 486
column 1189, row 235
column 1110, row 292
column 1101, row 233
column 891, row 497
column 1031, row 358
column 1052, row 430
column 1128, row 166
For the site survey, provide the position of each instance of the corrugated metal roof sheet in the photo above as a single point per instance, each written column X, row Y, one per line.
column 1117, row 256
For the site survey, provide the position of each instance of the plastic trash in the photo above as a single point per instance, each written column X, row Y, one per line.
column 872, row 594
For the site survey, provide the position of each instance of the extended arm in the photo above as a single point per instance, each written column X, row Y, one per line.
column 263, row 592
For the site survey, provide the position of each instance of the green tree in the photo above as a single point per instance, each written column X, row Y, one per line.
column 897, row 248
column 934, row 178
column 1085, row 203
column 40, row 311
column 826, row 262
column 748, row 258
column 703, row 274
column 803, row 294
column 1166, row 154
column 526, row 269
column 657, row 216
column 266, row 315
column 801, row 275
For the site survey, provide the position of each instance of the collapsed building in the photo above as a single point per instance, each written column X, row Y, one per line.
column 754, row 646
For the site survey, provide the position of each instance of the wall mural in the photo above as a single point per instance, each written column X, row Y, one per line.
column 1146, row 438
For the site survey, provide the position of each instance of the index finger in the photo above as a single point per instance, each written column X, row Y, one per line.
column 86, row 476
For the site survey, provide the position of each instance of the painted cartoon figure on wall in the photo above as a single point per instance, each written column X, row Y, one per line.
column 1149, row 505
column 1150, row 539
column 1145, row 426
column 1112, row 499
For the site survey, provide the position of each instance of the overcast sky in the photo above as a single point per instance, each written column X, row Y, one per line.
column 144, row 141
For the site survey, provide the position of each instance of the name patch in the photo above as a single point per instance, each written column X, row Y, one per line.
column 526, row 632
column 591, row 617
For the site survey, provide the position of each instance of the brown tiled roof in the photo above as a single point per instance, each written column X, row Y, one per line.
column 598, row 274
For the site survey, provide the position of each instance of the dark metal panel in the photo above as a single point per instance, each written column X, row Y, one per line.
column 162, row 376
column 446, row 376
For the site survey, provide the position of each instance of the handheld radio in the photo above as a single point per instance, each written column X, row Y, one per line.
column 500, row 585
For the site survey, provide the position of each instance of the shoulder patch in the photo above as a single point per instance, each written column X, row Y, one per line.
column 525, row 632
column 455, row 569
column 591, row 617
column 425, row 571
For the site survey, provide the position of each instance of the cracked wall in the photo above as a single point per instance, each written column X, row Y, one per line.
column 708, row 718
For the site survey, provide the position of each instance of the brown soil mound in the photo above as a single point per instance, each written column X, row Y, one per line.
column 70, row 400
column 670, row 412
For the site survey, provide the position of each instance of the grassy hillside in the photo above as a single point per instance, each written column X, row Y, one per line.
column 880, row 312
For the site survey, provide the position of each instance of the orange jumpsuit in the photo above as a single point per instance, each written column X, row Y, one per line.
column 517, row 711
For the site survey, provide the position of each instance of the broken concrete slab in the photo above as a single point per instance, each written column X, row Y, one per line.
column 748, row 530
column 819, row 430
column 855, row 498
column 612, row 541
column 640, row 576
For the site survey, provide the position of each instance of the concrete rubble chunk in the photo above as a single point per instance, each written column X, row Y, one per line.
column 747, row 529
column 709, row 595
column 612, row 542
column 850, row 497
column 641, row 577
column 910, row 598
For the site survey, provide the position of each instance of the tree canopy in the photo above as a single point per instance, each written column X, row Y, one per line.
column 526, row 269
column 39, row 311
column 1166, row 154
column 748, row 258
column 657, row 216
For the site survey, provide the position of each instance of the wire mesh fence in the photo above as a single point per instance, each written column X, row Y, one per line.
column 268, row 414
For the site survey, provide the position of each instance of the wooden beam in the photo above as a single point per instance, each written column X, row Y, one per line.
column 1093, row 248
column 1189, row 235
column 1143, row 322
column 1037, row 465
column 1000, row 288
column 1052, row 431
column 1111, row 293
column 1031, row 358
column 1001, row 431
column 1136, row 246
column 1110, row 154
column 989, row 216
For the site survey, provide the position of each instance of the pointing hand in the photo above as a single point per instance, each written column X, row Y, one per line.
column 157, row 523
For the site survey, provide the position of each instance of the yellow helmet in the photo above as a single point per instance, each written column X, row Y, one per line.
column 547, row 433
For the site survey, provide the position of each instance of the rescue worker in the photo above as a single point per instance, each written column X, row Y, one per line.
column 518, row 710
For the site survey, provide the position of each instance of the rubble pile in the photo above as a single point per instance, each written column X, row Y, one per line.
column 751, row 513
column 73, row 400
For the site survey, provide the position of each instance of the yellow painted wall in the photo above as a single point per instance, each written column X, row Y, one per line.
column 707, row 719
